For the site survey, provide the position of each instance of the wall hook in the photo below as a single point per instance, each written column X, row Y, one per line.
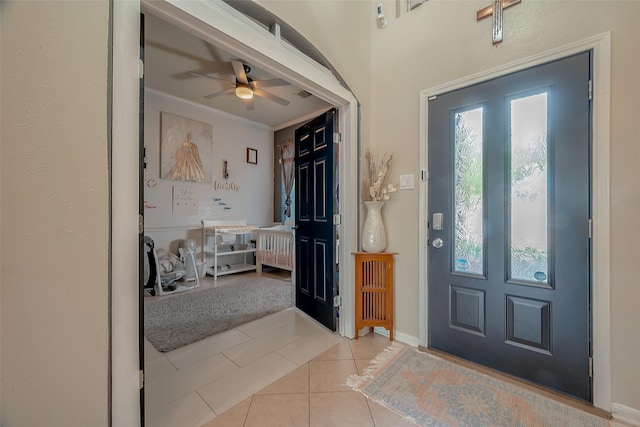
column 225, row 170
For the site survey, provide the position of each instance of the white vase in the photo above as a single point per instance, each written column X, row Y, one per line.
column 374, row 236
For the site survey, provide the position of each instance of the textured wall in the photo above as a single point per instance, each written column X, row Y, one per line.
column 441, row 41
column 340, row 29
column 54, row 213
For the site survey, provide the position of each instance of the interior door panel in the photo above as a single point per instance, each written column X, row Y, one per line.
column 316, row 271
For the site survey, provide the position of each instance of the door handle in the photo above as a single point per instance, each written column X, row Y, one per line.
column 437, row 243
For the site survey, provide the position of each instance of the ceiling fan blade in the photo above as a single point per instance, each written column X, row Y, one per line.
column 196, row 74
column 238, row 68
column 260, row 84
column 271, row 97
column 222, row 92
column 249, row 104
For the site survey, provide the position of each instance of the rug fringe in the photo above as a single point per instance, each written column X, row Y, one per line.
column 356, row 381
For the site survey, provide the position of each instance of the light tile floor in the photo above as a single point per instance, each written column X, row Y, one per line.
column 315, row 394
column 282, row 370
column 191, row 385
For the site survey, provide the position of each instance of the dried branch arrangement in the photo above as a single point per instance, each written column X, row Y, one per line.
column 375, row 184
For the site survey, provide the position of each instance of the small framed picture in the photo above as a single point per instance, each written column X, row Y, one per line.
column 252, row 156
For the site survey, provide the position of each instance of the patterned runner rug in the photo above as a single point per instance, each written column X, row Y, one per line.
column 430, row 391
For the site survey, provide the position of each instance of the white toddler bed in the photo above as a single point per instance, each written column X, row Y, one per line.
column 275, row 247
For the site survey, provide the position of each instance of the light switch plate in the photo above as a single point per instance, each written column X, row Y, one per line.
column 406, row 182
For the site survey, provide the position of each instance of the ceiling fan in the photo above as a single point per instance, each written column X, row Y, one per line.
column 245, row 87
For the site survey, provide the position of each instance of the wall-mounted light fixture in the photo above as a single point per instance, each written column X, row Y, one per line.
column 380, row 20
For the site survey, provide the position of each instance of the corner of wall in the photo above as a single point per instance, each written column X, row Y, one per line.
column 625, row 414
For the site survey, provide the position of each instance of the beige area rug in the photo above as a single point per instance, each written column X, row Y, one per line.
column 430, row 391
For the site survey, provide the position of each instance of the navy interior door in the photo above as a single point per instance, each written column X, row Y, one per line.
column 315, row 199
column 509, row 224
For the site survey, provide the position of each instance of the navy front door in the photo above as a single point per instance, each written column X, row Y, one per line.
column 315, row 205
column 509, row 224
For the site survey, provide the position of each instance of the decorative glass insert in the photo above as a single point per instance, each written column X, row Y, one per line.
column 468, row 199
column 529, row 182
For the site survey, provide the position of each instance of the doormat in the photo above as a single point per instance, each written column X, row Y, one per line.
column 174, row 321
column 430, row 391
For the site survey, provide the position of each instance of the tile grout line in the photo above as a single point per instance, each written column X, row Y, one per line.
column 172, row 364
column 230, row 359
column 209, row 406
column 246, row 416
column 309, row 392
column 366, row 399
column 353, row 358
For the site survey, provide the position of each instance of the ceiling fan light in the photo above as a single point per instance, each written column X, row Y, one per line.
column 244, row 91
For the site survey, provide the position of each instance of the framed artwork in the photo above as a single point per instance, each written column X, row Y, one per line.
column 252, row 156
column 185, row 149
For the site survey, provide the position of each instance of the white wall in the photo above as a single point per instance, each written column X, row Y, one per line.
column 341, row 30
column 441, row 41
column 55, row 214
column 248, row 191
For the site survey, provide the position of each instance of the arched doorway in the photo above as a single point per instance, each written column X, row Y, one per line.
column 218, row 24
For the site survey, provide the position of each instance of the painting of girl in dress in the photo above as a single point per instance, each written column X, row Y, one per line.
column 185, row 149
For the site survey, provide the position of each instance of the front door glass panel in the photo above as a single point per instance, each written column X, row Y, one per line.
column 528, row 187
column 468, row 189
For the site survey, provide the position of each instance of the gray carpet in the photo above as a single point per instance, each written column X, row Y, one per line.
column 174, row 321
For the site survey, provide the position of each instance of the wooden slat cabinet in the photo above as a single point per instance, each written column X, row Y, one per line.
column 374, row 291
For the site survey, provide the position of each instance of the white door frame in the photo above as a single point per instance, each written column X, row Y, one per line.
column 221, row 25
column 600, row 196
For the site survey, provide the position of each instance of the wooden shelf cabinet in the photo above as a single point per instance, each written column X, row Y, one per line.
column 374, row 291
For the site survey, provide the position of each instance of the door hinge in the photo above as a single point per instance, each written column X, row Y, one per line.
column 140, row 68
column 140, row 224
column 590, row 367
column 337, row 301
column 590, row 90
column 337, row 137
column 144, row 157
column 424, row 175
column 141, row 379
column 590, row 228
column 337, row 219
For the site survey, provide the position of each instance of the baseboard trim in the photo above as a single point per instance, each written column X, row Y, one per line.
column 398, row 336
column 625, row 414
